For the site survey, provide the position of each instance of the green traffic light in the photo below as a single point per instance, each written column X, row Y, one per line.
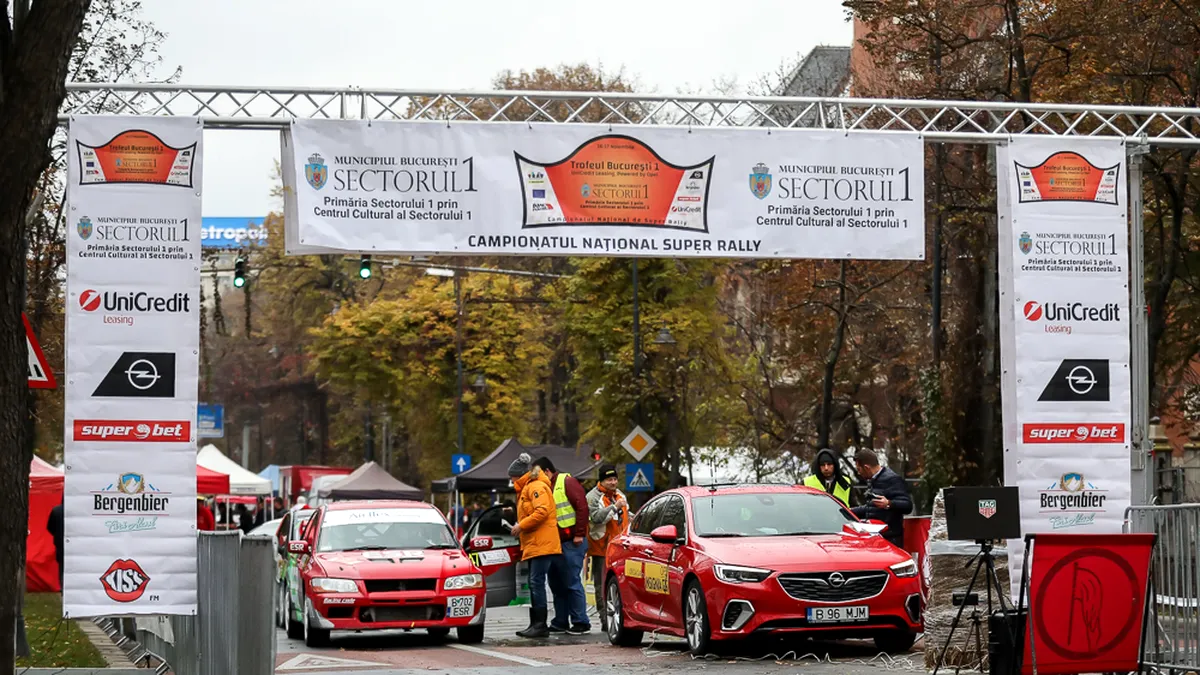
column 238, row 282
column 365, row 272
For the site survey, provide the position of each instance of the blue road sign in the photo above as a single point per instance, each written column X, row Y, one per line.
column 639, row 478
column 210, row 422
column 460, row 463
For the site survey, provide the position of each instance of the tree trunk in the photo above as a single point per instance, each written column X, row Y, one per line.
column 831, row 361
column 33, row 68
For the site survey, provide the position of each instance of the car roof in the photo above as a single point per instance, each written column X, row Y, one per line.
column 693, row 491
column 376, row 504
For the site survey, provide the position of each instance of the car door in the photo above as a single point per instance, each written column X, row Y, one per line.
column 641, row 604
column 665, row 570
column 499, row 562
column 304, row 562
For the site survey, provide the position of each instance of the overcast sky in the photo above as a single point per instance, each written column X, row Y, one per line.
column 462, row 44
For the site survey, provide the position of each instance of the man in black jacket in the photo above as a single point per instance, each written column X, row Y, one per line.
column 887, row 496
column 54, row 525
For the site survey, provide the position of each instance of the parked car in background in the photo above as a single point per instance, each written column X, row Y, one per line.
column 723, row 563
column 379, row 565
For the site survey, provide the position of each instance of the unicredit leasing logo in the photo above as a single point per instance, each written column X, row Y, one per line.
column 1049, row 432
column 133, row 431
column 1057, row 316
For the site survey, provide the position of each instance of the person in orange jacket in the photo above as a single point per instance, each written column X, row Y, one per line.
column 537, row 528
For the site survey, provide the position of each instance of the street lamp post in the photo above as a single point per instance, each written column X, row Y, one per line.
column 458, row 330
column 637, row 343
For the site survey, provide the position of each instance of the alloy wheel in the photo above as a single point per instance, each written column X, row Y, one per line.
column 613, row 606
column 694, row 618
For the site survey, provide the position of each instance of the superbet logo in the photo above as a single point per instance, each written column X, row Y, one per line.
column 1042, row 432
column 124, row 581
column 133, row 431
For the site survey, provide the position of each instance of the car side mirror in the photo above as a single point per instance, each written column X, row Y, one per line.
column 481, row 544
column 665, row 534
column 299, row 547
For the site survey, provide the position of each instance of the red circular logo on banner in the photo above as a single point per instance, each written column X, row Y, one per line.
column 1088, row 602
column 1033, row 311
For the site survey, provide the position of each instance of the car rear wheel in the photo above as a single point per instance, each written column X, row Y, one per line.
column 295, row 629
column 281, row 606
column 695, row 619
column 313, row 636
column 895, row 643
column 470, row 635
column 618, row 634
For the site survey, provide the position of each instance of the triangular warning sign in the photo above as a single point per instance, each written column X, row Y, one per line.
column 317, row 662
column 40, row 375
column 639, row 480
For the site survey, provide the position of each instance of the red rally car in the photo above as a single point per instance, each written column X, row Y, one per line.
column 723, row 563
column 383, row 565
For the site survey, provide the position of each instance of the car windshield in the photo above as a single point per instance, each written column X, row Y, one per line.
column 384, row 530
column 767, row 514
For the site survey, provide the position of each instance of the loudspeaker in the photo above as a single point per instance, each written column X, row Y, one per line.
column 1006, row 641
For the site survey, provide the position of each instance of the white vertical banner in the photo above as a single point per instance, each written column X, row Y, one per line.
column 132, row 365
column 1064, row 332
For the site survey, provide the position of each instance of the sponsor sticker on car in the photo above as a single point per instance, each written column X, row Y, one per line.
column 656, row 578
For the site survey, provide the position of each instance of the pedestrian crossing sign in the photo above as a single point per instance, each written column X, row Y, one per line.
column 639, row 478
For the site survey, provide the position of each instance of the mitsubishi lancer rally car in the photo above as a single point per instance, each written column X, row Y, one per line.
column 727, row 563
column 383, row 565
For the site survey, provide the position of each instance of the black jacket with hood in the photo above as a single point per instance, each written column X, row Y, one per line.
column 838, row 477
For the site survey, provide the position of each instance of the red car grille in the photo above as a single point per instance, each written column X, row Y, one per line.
column 392, row 585
column 834, row 586
column 410, row 613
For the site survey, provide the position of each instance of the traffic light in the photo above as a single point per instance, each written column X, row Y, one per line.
column 595, row 457
column 364, row 267
column 239, row 272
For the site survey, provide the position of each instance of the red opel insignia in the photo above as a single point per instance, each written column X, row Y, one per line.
column 725, row 563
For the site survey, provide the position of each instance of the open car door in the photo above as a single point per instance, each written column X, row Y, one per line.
column 491, row 546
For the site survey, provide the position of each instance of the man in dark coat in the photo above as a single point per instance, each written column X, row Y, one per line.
column 54, row 525
column 887, row 496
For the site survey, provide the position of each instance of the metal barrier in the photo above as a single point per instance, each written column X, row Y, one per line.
column 234, row 628
column 1172, row 640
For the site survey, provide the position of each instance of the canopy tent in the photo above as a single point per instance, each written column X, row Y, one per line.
column 241, row 481
column 209, row 482
column 45, row 492
column 492, row 473
column 271, row 473
column 370, row 481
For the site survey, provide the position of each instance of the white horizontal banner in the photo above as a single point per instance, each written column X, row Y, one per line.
column 132, row 365
column 580, row 189
column 1065, row 334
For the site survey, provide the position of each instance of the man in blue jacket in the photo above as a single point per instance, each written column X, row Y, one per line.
column 887, row 497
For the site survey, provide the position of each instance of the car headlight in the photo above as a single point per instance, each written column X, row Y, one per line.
column 908, row 568
column 324, row 585
column 734, row 574
column 463, row 581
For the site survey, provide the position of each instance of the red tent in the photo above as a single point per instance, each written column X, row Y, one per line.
column 210, row 482
column 45, row 492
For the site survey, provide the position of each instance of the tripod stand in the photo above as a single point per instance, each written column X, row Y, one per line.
column 985, row 562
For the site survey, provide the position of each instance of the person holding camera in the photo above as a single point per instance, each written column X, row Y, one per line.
column 887, row 497
column 608, row 516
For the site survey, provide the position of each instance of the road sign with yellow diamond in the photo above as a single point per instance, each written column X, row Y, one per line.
column 638, row 443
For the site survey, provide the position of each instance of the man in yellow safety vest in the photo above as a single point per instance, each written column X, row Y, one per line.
column 566, row 576
column 827, row 476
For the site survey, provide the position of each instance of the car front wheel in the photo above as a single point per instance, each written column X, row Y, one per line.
column 896, row 642
column 618, row 634
column 695, row 619
column 295, row 629
column 470, row 635
column 313, row 636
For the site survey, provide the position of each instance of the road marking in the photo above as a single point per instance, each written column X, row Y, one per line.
column 501, row 655
column 314, row 662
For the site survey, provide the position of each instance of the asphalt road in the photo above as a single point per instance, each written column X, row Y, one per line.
column 400, row 653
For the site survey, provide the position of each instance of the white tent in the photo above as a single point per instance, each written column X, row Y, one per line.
column 241, row 481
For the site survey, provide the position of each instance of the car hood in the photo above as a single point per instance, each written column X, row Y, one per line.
column 396, row 564
column 813, row 553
